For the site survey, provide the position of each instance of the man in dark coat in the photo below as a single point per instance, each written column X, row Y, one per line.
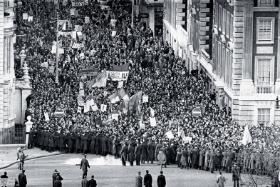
column 148, row 180
column 92, row 182
column 61, row 144
column 161, row 182
column 85, row 144
column 144, row 152
column 84, row 165
column 235, row 175
column 92, row 144
column 131, row 154
column 22, row 179
column 77, row 144
column 124, row 153
column 138, row 154
column 56, row 176
column 57, row 182
column 151, row 151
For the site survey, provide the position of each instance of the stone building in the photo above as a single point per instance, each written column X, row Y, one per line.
column 235, row 42
column 7, row 75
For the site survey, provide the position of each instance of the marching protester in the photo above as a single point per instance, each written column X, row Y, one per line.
column 221, row 180
column 56, row 178
column 139, row 180
column 161, row 182
column 92, row 182
column 148, row 180
column 22, row 179
column 57, row 182
column 4, row 179
column 84, row 165
column 84, row 181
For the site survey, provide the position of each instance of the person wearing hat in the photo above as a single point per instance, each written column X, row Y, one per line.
column 57, row 182
column 235, row 175
column 56, row 176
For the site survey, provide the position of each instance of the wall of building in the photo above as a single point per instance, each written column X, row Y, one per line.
column 7, row 77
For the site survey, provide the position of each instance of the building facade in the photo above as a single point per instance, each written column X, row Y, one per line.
column 7, row 75
column 150, row 12
column 235, row 43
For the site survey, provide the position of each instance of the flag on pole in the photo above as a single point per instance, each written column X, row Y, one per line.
column 141, row 124
column 114, row 98
column 99, row 81
column 247, row 138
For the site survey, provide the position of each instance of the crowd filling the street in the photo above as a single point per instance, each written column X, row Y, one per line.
column 104, row 84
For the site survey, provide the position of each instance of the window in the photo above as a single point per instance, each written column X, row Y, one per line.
column 219, row 58
column 228, row 24
column 216, row 14
column 264, row 74
column 265, row 30
column 231, row 27
column 224, row 21
column 266, row 3
column 263, row 116
column 220, row 17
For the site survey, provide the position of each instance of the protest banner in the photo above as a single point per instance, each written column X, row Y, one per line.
column 103, row 108
column 153, row 122
column 145, row 98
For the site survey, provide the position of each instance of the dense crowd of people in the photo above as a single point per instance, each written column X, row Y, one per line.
column 210, row 141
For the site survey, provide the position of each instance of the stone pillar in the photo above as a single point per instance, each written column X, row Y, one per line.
column 152, row 19
column 246, row 86
column 277, row 83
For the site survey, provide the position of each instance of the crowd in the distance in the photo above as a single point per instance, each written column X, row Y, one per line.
column 173, row 92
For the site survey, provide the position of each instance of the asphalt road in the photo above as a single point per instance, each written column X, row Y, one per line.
column 108, row 173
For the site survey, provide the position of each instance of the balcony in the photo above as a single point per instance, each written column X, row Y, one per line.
column 264, row 89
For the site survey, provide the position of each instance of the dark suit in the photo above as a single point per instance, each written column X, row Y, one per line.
column 22, row 180
column 92, row 183
column 148, row 180
column 161, row 181
column 124, row 153
column 57, row 183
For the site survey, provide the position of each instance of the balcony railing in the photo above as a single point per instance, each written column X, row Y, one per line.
column 264, row 89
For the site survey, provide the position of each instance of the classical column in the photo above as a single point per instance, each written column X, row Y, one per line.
column 277, row 84
column 247, row 86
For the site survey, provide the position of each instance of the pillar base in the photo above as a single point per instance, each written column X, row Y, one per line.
column 247, row 87
column 277, row 87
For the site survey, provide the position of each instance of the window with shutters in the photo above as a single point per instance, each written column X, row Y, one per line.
column 263, row 116
column 266, row 3
column 265, row 30
column 264, row 76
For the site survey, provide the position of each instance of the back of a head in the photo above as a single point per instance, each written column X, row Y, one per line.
column 161, row 172
column 92, row 176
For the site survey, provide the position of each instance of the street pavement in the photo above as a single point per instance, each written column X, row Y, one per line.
column 108, row 172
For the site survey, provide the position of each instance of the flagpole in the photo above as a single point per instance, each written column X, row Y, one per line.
column 57, row 55
column 132, row 13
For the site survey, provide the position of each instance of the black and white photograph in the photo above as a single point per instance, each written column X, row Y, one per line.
column 139, row 93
